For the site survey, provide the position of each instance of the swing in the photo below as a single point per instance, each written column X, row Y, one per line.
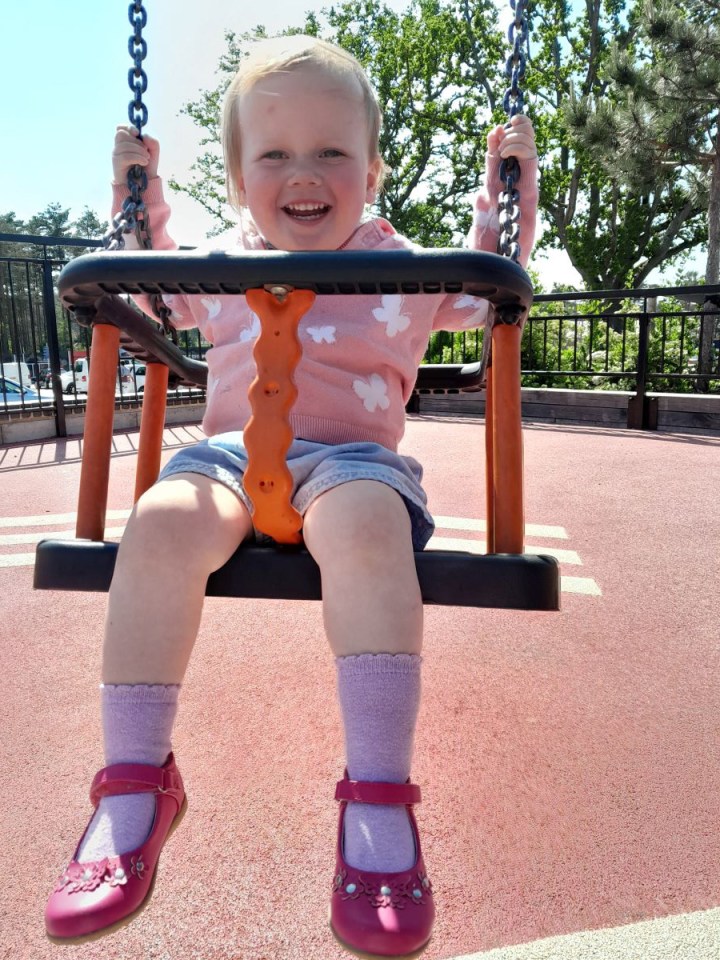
column 281, row 287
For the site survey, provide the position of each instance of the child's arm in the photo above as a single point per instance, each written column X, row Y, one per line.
column 128, row 151
column 465, row 312
column 516, row 141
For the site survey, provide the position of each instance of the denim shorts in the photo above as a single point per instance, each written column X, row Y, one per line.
column 315, row 469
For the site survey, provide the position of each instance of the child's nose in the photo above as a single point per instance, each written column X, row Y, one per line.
column 304, row 171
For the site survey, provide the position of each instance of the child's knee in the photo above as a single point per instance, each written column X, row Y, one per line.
column 191, row 517
column 364, row 518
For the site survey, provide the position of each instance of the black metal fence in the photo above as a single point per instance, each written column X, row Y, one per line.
column 44, row 351
column 664, row 339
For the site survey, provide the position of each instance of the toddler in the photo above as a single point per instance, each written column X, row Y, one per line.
column 300, row 134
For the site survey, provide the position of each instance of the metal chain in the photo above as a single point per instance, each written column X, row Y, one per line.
column 132, row 217
column 513, row 103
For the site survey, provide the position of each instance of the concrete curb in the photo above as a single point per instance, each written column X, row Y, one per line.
column 690, row 936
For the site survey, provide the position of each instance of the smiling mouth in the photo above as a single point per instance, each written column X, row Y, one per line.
column 306, row 212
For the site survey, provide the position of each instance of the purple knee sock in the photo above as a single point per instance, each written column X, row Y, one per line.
column 137, row 724
column 379, row 698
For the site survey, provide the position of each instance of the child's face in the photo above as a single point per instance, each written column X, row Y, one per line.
column 305, row 160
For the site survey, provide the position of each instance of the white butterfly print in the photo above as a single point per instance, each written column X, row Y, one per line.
column 484, row 219
column 212, row 305
column 390, row 314
column 253, row 331
column 322, row 334
column 466, row 301
column 168, row 300
column 372, row 392
column 477, row 317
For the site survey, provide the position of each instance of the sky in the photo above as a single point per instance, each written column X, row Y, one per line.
column 64, row 73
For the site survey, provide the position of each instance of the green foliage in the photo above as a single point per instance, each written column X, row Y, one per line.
column 656, row 132
column 572, row 345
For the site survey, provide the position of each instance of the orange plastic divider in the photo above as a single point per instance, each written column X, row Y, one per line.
column 268, row 434
column 152, row 424
column 509, row 515
column 97, row 441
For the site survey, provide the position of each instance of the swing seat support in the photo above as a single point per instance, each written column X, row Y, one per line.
column 93, row 287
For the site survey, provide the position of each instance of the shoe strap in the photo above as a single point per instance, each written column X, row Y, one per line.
column 133, row 778
column 365, row 791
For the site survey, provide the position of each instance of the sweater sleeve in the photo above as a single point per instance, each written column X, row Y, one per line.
column 158, row 213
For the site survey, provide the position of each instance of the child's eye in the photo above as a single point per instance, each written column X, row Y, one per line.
column 332, row 154
column 274, row 155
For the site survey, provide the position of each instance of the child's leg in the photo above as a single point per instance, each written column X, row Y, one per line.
column 180, row 531
column 360, row 536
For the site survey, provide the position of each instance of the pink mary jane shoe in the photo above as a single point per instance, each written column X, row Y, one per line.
column 93, row 898
column 381, row 914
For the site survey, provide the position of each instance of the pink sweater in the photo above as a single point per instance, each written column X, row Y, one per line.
column 360, row 353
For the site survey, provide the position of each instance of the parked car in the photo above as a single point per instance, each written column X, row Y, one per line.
column 67, row 381
column 12, row 394
column 77, row 379
column 17, row 372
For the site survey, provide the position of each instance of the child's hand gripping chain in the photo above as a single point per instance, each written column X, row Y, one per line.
column 268, row 434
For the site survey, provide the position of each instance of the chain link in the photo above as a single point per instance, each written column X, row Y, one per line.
column 513, row 103
column 132, row 217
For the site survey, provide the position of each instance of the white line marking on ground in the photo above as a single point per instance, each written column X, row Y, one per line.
column 583, row 585
column 531, row 529
column 49, row 519
column 13, row 539
column 578, row 585
column 17, row 560
column 479, row 546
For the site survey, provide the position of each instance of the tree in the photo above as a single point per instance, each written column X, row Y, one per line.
column 614, row 232
column 89, row 226
column 10, row 223
column 662, row 132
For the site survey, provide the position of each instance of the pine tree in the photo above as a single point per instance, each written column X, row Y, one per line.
column 661, row 123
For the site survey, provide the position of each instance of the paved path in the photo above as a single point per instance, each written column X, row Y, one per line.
column 569, row 762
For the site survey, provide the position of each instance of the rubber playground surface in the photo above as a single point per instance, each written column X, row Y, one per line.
column 569, row 762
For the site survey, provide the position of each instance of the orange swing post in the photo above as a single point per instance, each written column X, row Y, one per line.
column 152, row 424
column 268, row 434
column 489, row 461
column 508, row 514
column 97, row 441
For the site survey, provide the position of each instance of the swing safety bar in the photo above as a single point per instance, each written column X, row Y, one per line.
column 92, row 286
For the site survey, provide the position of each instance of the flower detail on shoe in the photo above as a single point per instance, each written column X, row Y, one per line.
column 349, row 890
column 85, row 877
column 415, row 888
column 116, row 876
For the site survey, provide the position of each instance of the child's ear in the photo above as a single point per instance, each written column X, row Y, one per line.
column 373, row 179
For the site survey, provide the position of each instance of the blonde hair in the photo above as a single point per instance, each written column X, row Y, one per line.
column 284, row 54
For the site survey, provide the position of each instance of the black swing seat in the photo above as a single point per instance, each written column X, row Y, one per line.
column 93, row 287
column 449, row 578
